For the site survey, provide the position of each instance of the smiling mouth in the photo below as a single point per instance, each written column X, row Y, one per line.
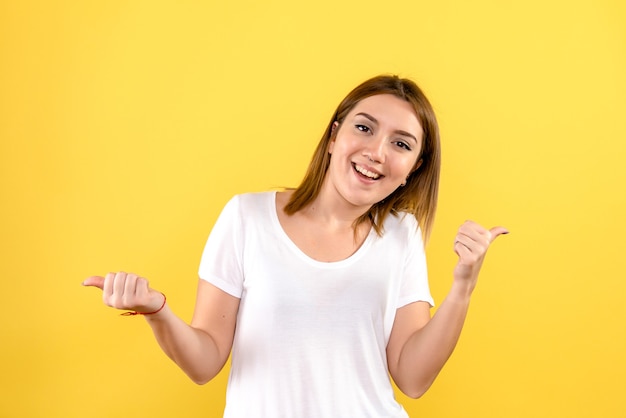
column 366, row 173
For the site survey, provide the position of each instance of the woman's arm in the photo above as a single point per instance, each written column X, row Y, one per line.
column 200, row 349
column 419, row 346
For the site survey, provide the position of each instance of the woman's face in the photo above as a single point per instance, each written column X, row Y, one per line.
column 375, row 149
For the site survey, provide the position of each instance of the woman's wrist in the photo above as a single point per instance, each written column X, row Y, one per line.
column 150, row 312
column 461, row 290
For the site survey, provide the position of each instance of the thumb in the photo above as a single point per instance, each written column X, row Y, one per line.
column 95, row 281
column 497, row 231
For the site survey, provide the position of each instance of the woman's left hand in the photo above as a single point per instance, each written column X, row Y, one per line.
column 471, row 244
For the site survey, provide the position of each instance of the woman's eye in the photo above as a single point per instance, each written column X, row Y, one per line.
column 404, row 145
column 362, row 128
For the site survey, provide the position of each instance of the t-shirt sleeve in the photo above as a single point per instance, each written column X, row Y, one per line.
column 414, row 286
column 221, row 263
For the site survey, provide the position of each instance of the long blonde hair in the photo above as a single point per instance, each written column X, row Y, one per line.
column 419, row 195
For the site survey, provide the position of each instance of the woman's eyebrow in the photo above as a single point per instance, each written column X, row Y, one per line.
column 398, row 131
column 370, row 117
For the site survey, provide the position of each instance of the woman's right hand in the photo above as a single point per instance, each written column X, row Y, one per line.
column 127, row 291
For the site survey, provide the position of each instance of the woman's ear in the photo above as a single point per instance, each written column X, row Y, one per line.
column 417, row 165
column 333, row 128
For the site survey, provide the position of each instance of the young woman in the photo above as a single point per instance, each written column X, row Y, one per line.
column 321, row 293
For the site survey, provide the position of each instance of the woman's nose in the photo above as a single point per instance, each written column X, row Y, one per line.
column 375, row 150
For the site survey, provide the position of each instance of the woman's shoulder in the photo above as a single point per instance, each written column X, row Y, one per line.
column 248, row 208
column 247, row 204
column 254, row 198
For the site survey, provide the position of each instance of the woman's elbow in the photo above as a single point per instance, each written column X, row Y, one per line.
column 199, row 380
column 415, row 393
column 202, row 377
column 415, row 389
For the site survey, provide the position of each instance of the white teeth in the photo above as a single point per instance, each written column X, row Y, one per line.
column 366, row 173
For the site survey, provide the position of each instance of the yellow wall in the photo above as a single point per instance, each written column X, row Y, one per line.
column 126, row 125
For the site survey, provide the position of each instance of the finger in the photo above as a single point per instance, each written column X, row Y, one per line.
column 147, row 295
column 475, row 232
column 496, row 232
column 107, row 290
column 130, row 283
column 129, row 288
column 94, row 281
column 461, row 249
column 472, row 235
column 142, row 287
column 471, row 242
column 464, row 244
column 118, row 285
column 463, row 239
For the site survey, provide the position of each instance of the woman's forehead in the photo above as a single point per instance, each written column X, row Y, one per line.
column 389, row 110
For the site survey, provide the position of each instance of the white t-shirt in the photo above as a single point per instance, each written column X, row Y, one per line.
column 311, row 336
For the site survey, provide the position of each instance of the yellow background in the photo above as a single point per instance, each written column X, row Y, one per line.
column 126, row 125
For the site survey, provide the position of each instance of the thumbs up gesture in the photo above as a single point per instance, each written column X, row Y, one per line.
column 471, row 244
column 127, row 291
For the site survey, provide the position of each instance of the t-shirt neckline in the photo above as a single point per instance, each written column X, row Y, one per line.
column 273, row 209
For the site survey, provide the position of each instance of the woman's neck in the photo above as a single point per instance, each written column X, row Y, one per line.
column 332, row 210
